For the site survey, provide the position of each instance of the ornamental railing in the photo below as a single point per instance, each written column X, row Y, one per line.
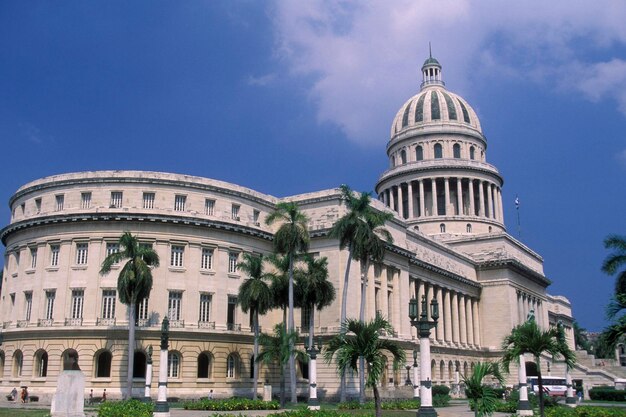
column 206, row 325
column 101, row 321
column 45, row 322
column 74, row 321
column 235, row 327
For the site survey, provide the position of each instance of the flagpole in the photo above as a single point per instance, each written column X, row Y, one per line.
column 519, row 227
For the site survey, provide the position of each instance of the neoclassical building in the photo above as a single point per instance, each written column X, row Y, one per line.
column 450, row 243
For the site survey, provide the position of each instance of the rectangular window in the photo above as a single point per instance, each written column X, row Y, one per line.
column 305, row 317
column 148, row 200
column 116, row 199
column 60, row 199
column 177, row 256
column 209, row 207
column 28, row 305
column 54, row 255
column 377, row 301
column 174, row 305
column 179, row 202
column 33, row 257
column 207, row 259
column 205, row 308
column 38, row 205
column 112, row 248
column 230, row 313
column 85, row 200
column 255, row 216
column 232, row 262
column 82, row 249
column 108, row 304
column 389, row 306
column 234, row 212
column 78, row 299
column 142, row 309
column 50, row 304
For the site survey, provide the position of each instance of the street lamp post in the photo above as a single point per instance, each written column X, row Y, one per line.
column 147, row 396
column 162, row 408
column 313, row 350
column 408, row 376
column 423, row 326
column 416, row 385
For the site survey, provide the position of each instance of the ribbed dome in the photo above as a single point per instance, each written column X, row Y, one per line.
column 435, row 105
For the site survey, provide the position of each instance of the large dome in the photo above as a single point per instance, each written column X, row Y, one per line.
column 434, row 105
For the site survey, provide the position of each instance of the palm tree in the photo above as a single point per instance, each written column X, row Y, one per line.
column 280, row 283
column 482, row 398
column 134, row 283
column 254, row 295
column 529, row 338
column 360, row 230
column 316, row 292
column 291, row 239
column 611, row 266
column 362, row 340
column 279, row 348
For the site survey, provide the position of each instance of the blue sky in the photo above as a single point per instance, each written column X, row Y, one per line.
column 291, row 97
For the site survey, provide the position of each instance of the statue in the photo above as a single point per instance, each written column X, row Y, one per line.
column 531, row 315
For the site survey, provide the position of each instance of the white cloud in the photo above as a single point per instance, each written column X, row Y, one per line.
column 364, row 57
column 621, row 157
column 261, row 80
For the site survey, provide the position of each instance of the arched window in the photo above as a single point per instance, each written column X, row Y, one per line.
column 1, row 364
column 433, row 369
column 403, row 156
column 304, row 369
column 465, row 373
column 468, row 228
column 252, row 367
column 139, row 365
column 456, row 150
column 40, row 369
column 472, row 152
column 70, row 360
column 442, row 370
column 18, row 361
column 103, row 364
column 438, row 151
column 204, row 365
column 173, row 365
column 450, row 371
column 442, row 228
column 392, row 161
column 489, row 229
column 232, row 366
column 419, row 153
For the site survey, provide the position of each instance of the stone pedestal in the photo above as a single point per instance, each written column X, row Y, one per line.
column 267, row 392
column 68, row 401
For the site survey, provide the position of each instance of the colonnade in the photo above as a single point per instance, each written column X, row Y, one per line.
column 444, row 196
column 459, row 315
column 527, row 302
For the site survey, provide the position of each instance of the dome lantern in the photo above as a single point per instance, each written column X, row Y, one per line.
column 431, row 71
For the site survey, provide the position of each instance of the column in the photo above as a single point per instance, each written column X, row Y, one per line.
column 440, row 325
column 481, row 199
column 501, row 208
column 489, row 200
column 496, row 207
column 459, row 196
column 455, row 317
column 422, row 205
column 446, row 189
column 383, row 197
column 471, row 197
column 435, row 210
column 400, row 202
column 470, row 320
column 523, row 408
column 410, row 191
column 520, row 311
column 475, row 307
column 447, row 316
column 462, row 319
column 391, row 199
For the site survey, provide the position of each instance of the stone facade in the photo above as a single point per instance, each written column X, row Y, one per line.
column 450, row 243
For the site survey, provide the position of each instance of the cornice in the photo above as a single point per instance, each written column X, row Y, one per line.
column 517, row 266
column 98, row 217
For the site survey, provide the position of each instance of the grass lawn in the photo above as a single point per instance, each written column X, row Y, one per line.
column 23, row 412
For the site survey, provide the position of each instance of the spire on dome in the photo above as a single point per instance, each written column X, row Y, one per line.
column 431, row 70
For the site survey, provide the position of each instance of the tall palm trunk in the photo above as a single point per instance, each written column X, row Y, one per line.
column 311, row 324
column 364, row 268
column 131, row 350
column 540, row 383
column 344, row 300
column 291, row 328
column 377, row 405
column 255, row 373
column 282, row 385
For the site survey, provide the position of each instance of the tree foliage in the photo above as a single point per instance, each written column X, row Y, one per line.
column 483, row 398
column 615, row 264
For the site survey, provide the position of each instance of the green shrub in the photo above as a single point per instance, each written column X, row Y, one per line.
column 585, row 411
column 440, row 390
column 607, row 394
column 231, row 404
column 441, row 400
column 385, row 405
column 304, row 412
column 128, row 408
